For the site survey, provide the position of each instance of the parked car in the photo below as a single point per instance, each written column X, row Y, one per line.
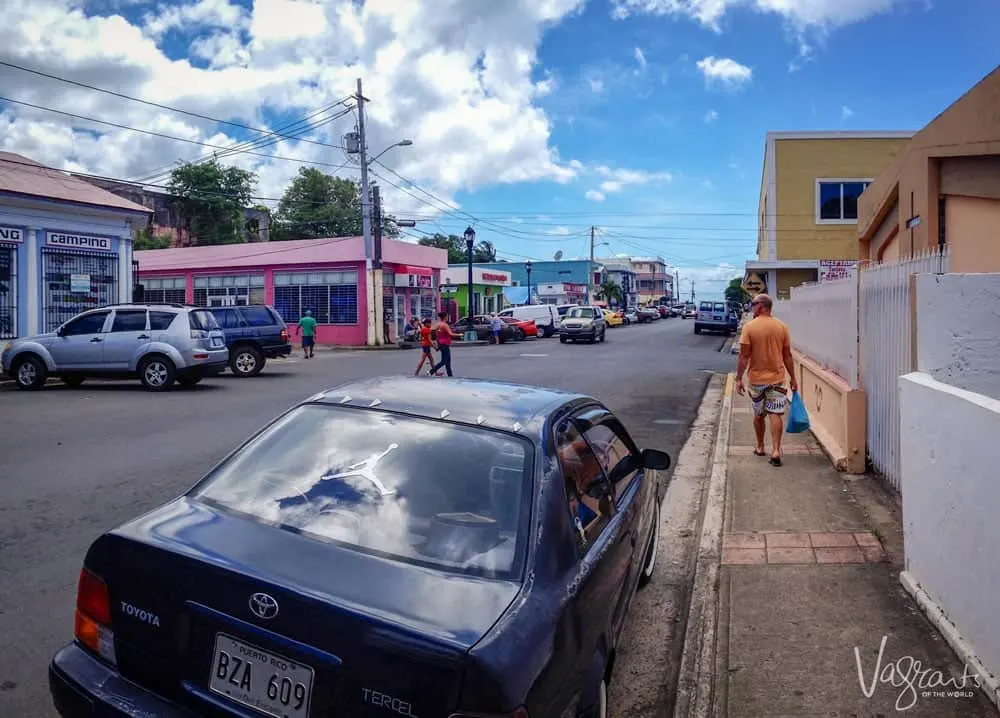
column 647, row 315
column 476, row 561
column 483, row 326
column 157, row 344
column 254, row 334
column 689, row 312
column 613, row 318
column 523, row 328
column 631, row 316
column 583, row 323
column 545, row 315
column 714, row 317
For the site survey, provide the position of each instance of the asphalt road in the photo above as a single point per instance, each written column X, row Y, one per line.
column 74, row 463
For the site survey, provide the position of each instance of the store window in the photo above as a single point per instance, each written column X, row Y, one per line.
column 332, row 296
column 164, row 290
column 229, row 290
column 8, row 291
column 428, row 305
column 75, row 282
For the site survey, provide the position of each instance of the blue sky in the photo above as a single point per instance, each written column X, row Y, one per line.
column 533, row 120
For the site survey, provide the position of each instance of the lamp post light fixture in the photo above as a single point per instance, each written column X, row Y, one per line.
column 527, row 268
column 470, row 241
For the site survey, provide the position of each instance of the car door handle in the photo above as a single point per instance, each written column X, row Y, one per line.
column 95, row 340
column 143, row 336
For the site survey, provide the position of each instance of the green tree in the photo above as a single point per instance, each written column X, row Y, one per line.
column 453, row 244
column 484, row 251
column 211, row 199
column 320, row 205
column 735, row 291
column 145, row 239
column 609, row 291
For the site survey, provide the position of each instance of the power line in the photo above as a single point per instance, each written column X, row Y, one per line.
column 155, row 104
column 165, row 136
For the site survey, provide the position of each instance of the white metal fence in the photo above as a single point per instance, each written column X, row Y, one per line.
column 886, row 340
column 782, row 309
column 824, row 325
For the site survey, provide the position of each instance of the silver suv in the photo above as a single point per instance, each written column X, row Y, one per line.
column 156, row 343
column 583, row 323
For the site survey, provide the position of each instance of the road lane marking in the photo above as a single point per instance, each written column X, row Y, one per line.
column 534, row 355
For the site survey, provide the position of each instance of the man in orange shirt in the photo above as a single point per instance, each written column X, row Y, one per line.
column 766, row 350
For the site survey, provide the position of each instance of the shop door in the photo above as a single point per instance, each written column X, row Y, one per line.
column 8, row 292
column 402, row 318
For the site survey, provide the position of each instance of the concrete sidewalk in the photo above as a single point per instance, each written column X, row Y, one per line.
column 806, row 596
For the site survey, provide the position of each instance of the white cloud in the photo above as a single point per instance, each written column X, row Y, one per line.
column 558, row 231
column 846, row 112
column 724, row 71
column 596, row 85
column 711, row 116
column 455, row 77
column 594, row 196
column 617, row 179
column 799, row 13
column 640, row 57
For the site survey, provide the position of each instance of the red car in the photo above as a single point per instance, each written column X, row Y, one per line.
column 523, row 327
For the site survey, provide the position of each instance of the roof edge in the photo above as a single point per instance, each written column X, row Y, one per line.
column 840, row 134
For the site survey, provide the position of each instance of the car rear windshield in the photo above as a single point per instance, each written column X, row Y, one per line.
column 719, row 307
column 705, row 307
column 420, row 491
column 202, row 319
column 580, row 313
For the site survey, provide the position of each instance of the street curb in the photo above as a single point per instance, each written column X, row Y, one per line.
column 696, row 677
column 990, row 683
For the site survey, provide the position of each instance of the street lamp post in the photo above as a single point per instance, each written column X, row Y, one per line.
column 527, row 267
column 470, row 240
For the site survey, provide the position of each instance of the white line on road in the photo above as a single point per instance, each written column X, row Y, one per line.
column 534, row 355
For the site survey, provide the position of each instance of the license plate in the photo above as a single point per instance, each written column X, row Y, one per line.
column 217, row 343
column 260, row 679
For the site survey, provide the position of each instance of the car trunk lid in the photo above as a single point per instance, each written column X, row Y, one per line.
column 199, row 594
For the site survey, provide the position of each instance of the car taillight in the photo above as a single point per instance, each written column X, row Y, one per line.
column 284, row 335
column 521, row 712
column 92, row 626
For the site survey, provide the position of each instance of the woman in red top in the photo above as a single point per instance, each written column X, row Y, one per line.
column 444, row 337
column 425, row 347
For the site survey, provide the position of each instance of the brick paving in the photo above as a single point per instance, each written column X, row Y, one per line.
column 786, row 547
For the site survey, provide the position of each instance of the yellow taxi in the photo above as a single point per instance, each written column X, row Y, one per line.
column 613, row 319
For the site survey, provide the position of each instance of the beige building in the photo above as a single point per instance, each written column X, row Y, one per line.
column 808, row 211
column 942, row 188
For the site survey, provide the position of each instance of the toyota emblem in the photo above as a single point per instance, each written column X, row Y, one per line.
column 263, row 606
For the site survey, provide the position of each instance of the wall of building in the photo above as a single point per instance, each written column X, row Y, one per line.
column 972, row 228
column 107, row 262
column 951, row 500
column 788, row 278
column 798, row 164
column 571, row 271
column 958, row 330
column 966, row 129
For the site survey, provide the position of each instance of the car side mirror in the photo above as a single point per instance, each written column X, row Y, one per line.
column 655, row 460
column 61, row 331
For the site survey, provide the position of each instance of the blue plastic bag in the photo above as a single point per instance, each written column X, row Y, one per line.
column 798, row 417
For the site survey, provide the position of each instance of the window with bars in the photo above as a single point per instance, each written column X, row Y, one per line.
column 332, row 296
column 75, row 282
column 8, row 291
column 229, row 290
column 164, row 290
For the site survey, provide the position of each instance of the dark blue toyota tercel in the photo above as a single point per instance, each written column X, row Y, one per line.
column 398, row 546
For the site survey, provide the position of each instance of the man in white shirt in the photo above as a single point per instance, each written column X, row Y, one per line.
column 496, row 324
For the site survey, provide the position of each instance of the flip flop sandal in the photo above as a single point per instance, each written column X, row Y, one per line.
column 759, row 452
column 775, row 461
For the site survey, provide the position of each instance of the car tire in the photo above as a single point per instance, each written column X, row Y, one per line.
column 73, row 381
column 157, row 373
column 697, row 329
column 519, row 335
column 189, row 381
column 563, row 340
column 246, row 361
column 603, row 335
column 649, row 559
column 30, row 373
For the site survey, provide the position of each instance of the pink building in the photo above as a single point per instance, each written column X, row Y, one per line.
column 326, row 276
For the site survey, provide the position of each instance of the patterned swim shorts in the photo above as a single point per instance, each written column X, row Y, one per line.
column 768, row 399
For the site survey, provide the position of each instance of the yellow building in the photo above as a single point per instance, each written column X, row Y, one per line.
column 808, row 211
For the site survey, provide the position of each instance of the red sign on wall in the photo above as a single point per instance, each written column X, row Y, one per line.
column 489, row 276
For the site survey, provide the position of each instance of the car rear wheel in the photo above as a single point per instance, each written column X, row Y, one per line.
column 71, row 380
column 563, row 340
column 654, row 542
column 188, row 381
column 246, row 361
column 30, row 373
column 157, row 373
column 697, row 329
column 518, row 334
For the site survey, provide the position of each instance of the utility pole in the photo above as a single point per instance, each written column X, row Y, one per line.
column 692, row 291
column 381, row 323
column 590, row 267
column 677, row 286
column 366, row 221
